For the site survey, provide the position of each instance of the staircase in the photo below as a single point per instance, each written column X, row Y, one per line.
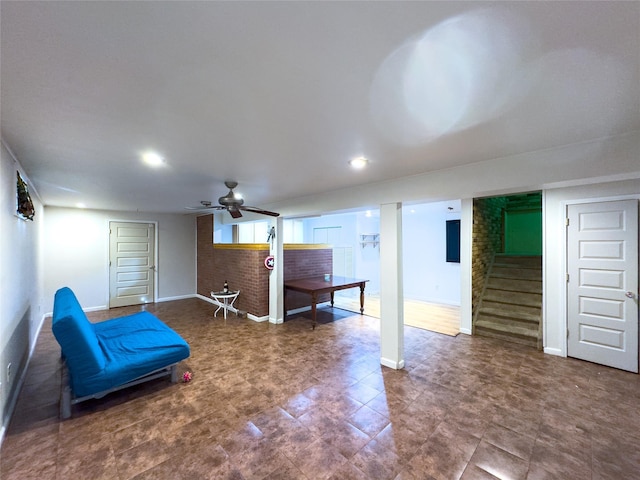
column 511, row 306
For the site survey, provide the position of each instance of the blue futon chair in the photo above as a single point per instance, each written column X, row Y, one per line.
column 107, row 356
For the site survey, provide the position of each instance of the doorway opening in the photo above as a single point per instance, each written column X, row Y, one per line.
column 507, row 268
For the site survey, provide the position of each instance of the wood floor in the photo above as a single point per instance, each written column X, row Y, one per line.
column 435, row 317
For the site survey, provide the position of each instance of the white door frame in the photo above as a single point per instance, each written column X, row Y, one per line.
column 565, row 209
column 155, row 252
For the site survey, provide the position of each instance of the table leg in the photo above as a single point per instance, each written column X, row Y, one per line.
column 284, row 302
column 361, row 298
column 225, row 307
column 314, row 299
column 332, row 294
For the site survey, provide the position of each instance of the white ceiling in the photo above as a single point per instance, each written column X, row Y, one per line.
column 280, row 95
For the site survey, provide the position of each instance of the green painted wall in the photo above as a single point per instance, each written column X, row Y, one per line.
column 523, row 232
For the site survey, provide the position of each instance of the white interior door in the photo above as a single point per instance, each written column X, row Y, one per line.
column 602, row 292
column 131, row 263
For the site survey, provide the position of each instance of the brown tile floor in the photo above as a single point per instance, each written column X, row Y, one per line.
column 285, row 402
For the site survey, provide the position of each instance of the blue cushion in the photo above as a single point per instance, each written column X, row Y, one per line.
column 76, row 336
column 133, row 345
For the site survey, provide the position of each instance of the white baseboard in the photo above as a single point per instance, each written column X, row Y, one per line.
column 98, row 308
column 466, row 331
column 178, row 297
column 250, row 316
column 298, row 310
column 392, row 363
column 202, row 297
column 554, row 351
column 95, row 309
column 307, row 308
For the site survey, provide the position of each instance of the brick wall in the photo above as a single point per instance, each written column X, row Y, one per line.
column 306, row 262
column 487, row 241
column 242, row 266
column 242, row 269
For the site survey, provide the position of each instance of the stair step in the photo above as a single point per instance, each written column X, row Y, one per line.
column 520, row 312
column 514, row 285
column 525, row 261
column 516, row 273
column 510, row 267
column 511, row 297
column 527, row 341
column 518, row 332
column 511, row 307
column 505, row 324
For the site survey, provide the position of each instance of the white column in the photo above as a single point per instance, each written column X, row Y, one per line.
column 466, row 243
column 276, row 277
column 391, row 292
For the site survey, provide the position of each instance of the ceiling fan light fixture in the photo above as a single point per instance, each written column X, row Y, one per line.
column 233, row 203
column 358, row 163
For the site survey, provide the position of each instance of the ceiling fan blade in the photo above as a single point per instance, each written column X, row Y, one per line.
column 211, row 207
column 235, row 213
column 259, row 210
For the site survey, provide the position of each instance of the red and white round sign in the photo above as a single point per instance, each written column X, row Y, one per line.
column 269, row 262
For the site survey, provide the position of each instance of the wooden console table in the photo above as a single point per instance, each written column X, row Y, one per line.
column 315, row 286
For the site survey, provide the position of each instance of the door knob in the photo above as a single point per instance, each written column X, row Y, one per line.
column 630, row 295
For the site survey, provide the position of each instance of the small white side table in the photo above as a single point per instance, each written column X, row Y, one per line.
column 224, row 301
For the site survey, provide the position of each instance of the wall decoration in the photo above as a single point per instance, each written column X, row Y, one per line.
column 270, row 262
column 453, row 241
column 25, row 208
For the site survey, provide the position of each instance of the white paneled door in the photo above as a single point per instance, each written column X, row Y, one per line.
column 131, row 263
column 602, row 288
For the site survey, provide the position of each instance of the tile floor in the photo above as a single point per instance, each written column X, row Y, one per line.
column 285, row 402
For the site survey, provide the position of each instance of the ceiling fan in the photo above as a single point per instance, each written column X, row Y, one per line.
column 232, row 204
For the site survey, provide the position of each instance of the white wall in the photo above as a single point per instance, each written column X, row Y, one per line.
column 366, row 259
column 555, row 203
column 367, row 256
column 20, row 283
column 427, row 274
column 76, row 254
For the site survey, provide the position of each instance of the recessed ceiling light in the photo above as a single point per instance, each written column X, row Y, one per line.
column 152, row 159
column 358, row 162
